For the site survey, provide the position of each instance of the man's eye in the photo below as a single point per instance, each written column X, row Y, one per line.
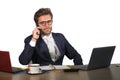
column 43, row 22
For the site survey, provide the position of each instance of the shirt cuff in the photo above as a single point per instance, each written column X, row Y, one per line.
column 32, row 43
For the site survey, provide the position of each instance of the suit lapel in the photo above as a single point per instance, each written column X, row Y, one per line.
column 56, row 39
column 43, row 47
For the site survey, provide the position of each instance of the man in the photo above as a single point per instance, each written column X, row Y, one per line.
column 45, row 47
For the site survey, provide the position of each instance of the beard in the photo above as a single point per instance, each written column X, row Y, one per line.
column 46, row 31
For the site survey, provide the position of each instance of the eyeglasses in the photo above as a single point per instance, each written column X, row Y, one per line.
column 43, row 23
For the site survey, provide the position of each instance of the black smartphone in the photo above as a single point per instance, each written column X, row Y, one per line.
column 71, row 70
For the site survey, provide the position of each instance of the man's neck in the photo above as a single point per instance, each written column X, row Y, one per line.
column 48, row 35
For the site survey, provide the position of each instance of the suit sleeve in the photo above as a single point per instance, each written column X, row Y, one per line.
column 27, row 53
column 71, row 53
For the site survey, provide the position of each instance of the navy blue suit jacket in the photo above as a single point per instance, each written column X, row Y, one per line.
column 40, row 54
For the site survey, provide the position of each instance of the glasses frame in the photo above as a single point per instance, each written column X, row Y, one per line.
column 48, row 22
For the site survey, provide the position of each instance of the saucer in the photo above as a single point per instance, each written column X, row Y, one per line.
column 40, row 72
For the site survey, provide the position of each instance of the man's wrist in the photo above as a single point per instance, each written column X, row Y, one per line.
column 34, row 39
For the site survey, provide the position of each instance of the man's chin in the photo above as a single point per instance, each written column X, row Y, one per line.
column 46, row 33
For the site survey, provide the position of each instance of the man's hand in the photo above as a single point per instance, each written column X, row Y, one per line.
column 35, row 34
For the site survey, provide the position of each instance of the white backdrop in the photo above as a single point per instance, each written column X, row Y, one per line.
column 85, row 23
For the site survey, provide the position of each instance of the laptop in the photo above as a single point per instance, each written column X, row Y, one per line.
column 5, row 63
column 101, row 58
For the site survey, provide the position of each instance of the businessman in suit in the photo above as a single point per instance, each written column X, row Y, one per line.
column 45, row 47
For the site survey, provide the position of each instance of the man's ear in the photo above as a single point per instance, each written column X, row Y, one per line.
column 39, row 27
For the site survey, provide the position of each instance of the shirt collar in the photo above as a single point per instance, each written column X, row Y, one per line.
column 44, row 36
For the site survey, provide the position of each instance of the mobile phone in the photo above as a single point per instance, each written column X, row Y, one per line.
column 71, row 70
column 40, row 32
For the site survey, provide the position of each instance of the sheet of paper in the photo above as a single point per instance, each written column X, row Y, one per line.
column 51, row 67
column 46, row 67
column 61, row 67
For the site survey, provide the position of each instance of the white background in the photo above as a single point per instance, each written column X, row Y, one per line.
column 85, row 23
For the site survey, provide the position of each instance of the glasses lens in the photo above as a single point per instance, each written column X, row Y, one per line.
column 49, row 22
column 43, row 23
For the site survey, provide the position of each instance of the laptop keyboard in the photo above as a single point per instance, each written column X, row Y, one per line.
column 16, row 69
column 79, row 67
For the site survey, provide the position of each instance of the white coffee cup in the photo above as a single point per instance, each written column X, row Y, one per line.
column 34, row 68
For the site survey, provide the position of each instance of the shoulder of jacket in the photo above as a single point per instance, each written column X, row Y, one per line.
column 28, row 38
column 57, row 34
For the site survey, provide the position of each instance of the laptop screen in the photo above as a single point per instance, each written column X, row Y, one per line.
column 101, row 57
column 5, row 63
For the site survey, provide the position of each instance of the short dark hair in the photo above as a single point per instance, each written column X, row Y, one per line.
column 41, row 12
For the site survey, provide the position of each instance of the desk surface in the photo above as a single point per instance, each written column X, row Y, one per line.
column 111, row 73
